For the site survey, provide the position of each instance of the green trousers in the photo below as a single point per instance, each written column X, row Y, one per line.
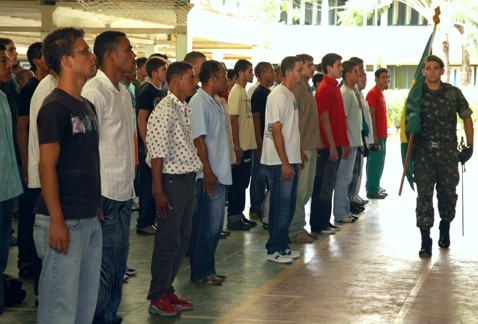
column 375, row 164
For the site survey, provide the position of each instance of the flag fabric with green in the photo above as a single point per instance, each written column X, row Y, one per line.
column 410, row 121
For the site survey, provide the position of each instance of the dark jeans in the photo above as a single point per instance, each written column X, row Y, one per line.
column 259, row 185
column 241, row 174
column 115, row 227
column 208, row 220
column 324, row 184
column 283, row 196
column 172, row 235
column 357, row 175
column 6, row 213
column 27, row 254
column 147, row 210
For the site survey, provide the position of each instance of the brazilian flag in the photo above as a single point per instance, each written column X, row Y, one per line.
column 410, row 121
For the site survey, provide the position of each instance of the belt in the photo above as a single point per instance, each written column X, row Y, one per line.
column 437, row 145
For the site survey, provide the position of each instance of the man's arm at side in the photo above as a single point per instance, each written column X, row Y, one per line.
column 235, row 137
column 22, row 139
column 256, row 117
column 58, row 235
column 325, row 123
column 468, row 125
column 278, row 139
column 142, row 123
column 210, row 179
column 161, row 201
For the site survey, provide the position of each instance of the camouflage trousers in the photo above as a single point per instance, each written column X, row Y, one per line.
column 435, row 168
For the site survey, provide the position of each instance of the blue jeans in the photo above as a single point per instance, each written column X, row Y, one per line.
column 259, row 185
column 69, row 283
column 324, row 184
column 208, row 219
column 344, row 177
column 236, row 197
column 172, row 235
column 147, row 210
column 283, row 195
column 115, row 226
column 6, row 213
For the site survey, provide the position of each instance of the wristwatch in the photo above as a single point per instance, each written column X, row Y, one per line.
column 237, row 148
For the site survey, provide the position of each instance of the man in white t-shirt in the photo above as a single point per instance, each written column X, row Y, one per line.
column 282, row 159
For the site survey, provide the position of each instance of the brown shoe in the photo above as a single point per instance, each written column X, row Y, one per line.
column 150, row 230
column 313, row 236
column 301, row 237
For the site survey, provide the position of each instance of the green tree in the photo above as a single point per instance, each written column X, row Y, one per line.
column 456, row 14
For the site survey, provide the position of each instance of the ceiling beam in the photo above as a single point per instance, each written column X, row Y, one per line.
column 94, row 30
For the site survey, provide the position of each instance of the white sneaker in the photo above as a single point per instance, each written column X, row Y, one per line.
column 279, row 257
column 328, row 230
column 293, row 254
column 348, row 219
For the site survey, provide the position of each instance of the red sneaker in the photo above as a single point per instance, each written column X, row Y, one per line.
column 163, row 307
column 179, row 303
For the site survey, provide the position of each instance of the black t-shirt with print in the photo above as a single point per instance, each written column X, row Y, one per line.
column 148, row 98
column 73, row 124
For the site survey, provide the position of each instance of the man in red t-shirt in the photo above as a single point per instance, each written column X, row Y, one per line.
column 333, row 132
column 376, row 157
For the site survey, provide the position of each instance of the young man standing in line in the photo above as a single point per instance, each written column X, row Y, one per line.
column 116, row 127
column 67, row 231
column 282, row 159
column 174, row 165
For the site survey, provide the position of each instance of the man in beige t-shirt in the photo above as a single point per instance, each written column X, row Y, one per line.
column 244, row 142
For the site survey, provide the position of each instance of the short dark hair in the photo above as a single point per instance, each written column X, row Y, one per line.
column 208, row 69
column 380, row 71
column 329, row 60
column 140, row 61
column 5, row 41
column 104, row 42
column 231, row 74
column 318, row 77
column 305, row 57
column 177, row 69
column 2, row 47
column 288, row 63
column 193, row 56
column 278, row 70
column 164, row 56
column 348, row 67
column 241, row 65
column 154, row 63
column 261, row 67
column 434, row 58
column 59, row 43
column 356, row 59
column 34, row 52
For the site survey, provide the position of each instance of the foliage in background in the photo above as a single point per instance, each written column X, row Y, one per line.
column 395, row 100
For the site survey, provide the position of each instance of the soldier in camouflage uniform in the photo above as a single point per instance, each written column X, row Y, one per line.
column 436, row 155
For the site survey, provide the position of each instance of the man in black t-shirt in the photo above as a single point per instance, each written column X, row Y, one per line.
column 68, row 235
column 265, row 75
column 151, row 94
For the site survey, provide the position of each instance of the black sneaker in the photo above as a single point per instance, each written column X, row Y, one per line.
column 249, row 222
column 239, row 226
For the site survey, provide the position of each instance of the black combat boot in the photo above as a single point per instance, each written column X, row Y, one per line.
column 444, row 241
column 426, row 249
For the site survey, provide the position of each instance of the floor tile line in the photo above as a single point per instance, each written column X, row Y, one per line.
column 409, row 301
column 264, row 289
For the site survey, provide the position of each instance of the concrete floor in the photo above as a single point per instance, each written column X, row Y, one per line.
column 367, row 273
